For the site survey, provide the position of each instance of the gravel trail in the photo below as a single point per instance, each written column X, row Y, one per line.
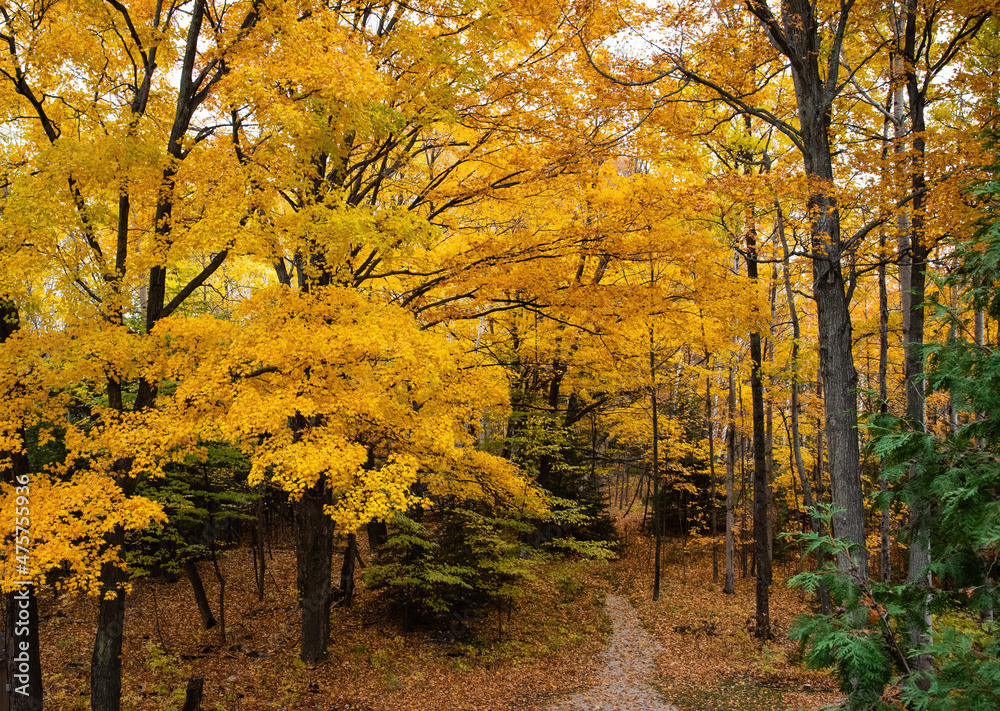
column 627, row 667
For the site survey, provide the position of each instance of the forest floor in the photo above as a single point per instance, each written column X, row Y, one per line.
column 536, row 658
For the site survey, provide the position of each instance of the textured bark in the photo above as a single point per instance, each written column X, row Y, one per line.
column 913, row 331
column 106, row 660
column 797, row 36
column 207, row 618
column 314, row 552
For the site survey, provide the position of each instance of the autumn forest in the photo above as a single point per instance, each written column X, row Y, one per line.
column 369, row 355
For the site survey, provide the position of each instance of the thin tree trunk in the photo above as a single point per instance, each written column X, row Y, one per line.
column 761, row 527
column 657, row 519
column 730, row 586
column 347, row 569
column 885, row 542
column 913, row 333
column 207, row 618
column 259, row 543
column 713, row 524
column 222, row 593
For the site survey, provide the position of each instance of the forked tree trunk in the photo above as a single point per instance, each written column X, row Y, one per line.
column 797, row 35
column 807, row 494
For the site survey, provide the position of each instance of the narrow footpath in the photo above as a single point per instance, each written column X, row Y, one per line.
column 627, row 668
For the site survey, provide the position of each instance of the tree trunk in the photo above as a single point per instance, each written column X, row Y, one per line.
column 106, row 660
column 913, row 332
column 222, row 594
column 193, row 694
column 797, row 35
column 657, row 504
column 730, row 586
column 24, row 666
column 713, row 523
column 314, row 554
column 23, row 653
column 259, row 542
column 807, row 495
column 885, row 519
column 347, row 569
column 761, row 528
column 207, row 618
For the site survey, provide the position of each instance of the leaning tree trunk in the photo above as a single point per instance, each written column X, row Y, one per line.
column 207, row 618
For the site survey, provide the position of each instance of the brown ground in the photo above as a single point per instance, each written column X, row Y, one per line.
column 550, row 646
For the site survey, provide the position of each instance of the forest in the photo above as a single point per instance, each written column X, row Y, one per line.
column 386, row 354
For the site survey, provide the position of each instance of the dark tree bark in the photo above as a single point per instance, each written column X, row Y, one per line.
column 222, row 593
column 655, row 470
column 347, row 569
column 259, row 542
column 198, row 588
column 23, row 653
column 761, row 527
column 24, row 665
column 797, row 36
column 884, row 558
column 713, row 523
column 378, row 533
column 193, row 694
column 105, row 662
column 730, row 586
column 314, row 554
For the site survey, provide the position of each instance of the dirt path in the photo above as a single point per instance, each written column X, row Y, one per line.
column 627, row 667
